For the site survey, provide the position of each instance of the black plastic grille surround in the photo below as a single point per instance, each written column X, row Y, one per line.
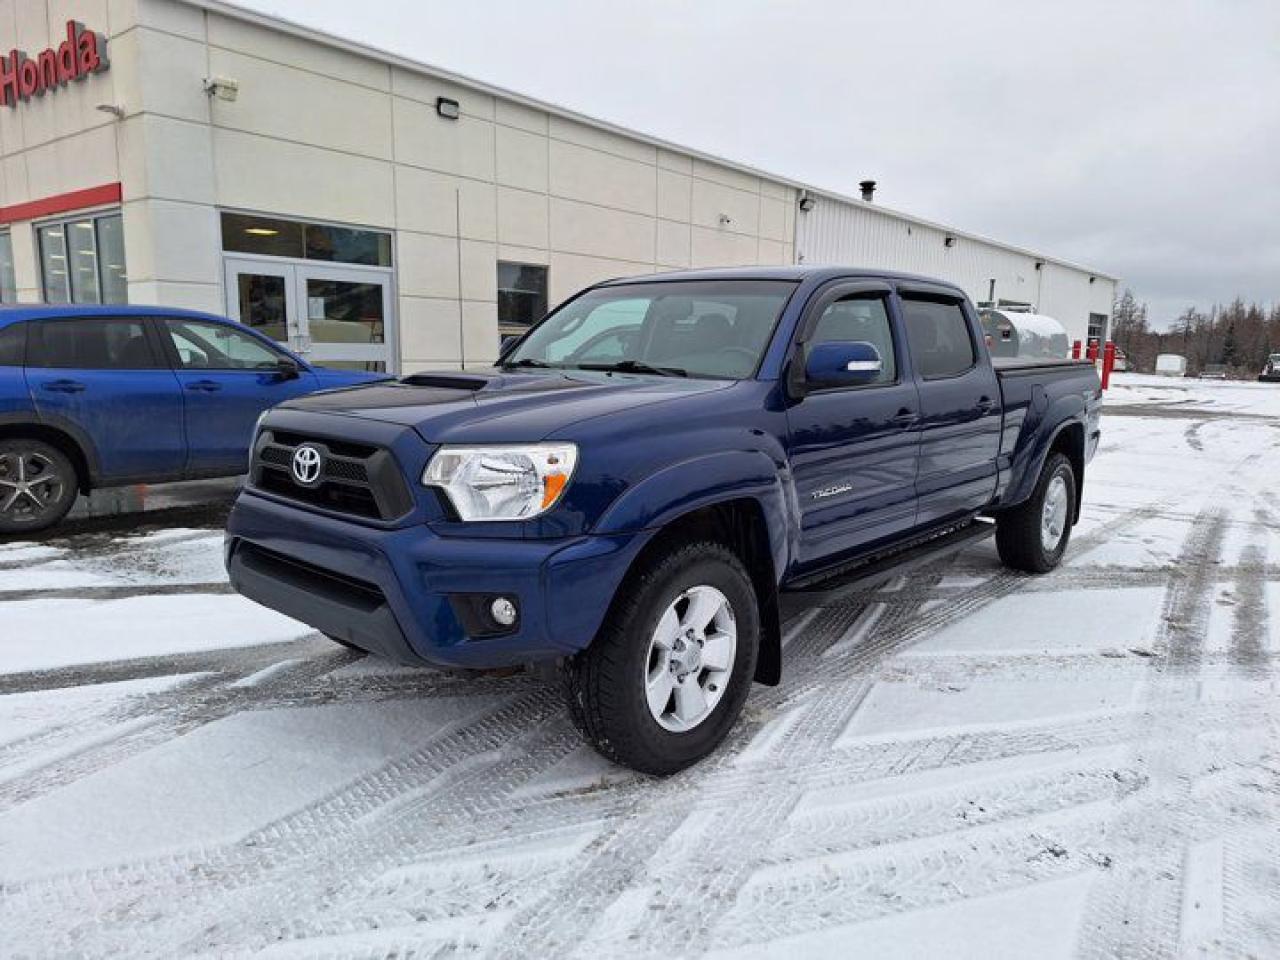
column 355, row 479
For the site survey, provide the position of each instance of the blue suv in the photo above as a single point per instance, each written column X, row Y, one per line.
column 101, row 396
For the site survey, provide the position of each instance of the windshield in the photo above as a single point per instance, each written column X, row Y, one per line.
column 697, row 328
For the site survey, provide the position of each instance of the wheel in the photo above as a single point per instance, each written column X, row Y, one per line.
column 38, row 485
column 1033, row 536
column 666, row 677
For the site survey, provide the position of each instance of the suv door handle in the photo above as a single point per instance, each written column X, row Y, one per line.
column 64, row 386
column 985, row 404
column 205, row 386
column 905, row 417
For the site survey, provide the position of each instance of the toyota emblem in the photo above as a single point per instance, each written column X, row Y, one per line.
column 306, row 465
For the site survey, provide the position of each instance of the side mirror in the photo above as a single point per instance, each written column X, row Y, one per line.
column 842, row 363
column 288, row 369
column 507, row 342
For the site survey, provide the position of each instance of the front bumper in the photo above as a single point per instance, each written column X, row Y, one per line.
column 388, row 590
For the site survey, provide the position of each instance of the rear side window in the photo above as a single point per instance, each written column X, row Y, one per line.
column 860, row 318
column 13, row 345
column 938, row 335
column 91, row 343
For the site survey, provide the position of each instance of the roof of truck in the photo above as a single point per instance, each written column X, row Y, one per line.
column 793, row 273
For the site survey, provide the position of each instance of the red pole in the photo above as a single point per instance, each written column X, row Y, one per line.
column 1108, row 363
column 1075, row 350
column 1092, row 354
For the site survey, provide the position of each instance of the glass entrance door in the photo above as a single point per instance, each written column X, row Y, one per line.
column 262, row 295
column 333, row 316
column 346, row 317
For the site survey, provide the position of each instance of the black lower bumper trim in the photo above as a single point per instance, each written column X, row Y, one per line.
column 336, row 605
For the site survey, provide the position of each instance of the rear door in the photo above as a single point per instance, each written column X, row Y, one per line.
column 959, row 404
column 107, row 376
column 228, row 377
column 854, row 450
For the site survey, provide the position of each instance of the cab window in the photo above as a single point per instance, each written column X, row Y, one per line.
column 938, row 335
column 860, row 318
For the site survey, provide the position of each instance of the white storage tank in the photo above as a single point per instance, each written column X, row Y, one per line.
column 1171, row 365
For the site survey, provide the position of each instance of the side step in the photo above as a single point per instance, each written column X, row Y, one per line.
column 878, row 570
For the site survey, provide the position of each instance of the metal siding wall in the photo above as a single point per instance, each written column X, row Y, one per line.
column 835, row 232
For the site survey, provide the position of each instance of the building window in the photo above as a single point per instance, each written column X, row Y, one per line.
column 522, row 296
column 1097, row 326
column 8, row 281
column 82, row 260
column 270, row 237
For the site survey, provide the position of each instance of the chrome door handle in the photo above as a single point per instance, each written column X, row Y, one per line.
column 205, row 386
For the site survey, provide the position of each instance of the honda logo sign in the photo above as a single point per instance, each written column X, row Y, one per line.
column 22, row 77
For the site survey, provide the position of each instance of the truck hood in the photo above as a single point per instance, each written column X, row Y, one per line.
column 500, row 407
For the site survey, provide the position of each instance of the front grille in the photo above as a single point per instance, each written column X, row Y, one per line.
column 355, row 479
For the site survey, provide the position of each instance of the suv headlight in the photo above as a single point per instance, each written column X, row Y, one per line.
column 502, row 482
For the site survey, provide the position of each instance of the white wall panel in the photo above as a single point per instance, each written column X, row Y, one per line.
column 856, row 234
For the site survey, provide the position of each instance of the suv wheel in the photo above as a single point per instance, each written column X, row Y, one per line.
column 1033, row 536
column 667, row 675
column 38, row 485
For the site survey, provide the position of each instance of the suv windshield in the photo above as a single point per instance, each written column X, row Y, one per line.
column 697, row 328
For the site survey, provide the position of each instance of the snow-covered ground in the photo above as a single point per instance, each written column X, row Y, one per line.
column 966, row 763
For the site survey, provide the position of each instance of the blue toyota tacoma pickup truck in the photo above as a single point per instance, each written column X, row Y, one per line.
column 649, row 476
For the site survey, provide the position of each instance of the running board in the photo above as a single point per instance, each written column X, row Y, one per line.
column 876, row 571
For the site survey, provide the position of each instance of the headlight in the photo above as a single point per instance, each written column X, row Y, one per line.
column 513, row 482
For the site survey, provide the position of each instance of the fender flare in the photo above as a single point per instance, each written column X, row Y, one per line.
column 73, row 432
column 705, row 481
column 1038, row 452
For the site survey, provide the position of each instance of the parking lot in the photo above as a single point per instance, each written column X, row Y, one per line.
column 968, row 762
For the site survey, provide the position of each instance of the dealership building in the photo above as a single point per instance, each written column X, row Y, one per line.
column 377, row 212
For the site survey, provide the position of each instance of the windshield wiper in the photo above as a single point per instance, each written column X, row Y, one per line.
column 526, row 362
column 635, row 366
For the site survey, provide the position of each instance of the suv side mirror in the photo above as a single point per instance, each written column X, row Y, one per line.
column 508, row 340
column 288, row 369
column 842, row 363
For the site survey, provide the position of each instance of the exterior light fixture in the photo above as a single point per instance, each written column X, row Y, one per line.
column 1039, row 264
column 449, row 109
column 725, row 219
column 948, row 241
column 262, row 231
column 224, row 88
column 114, row 109
column 807, row 203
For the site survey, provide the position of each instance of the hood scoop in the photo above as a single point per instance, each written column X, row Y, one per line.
column 447, row 381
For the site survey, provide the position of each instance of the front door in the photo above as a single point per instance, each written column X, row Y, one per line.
column 333, row 316
column 227, row 378
column 854, row 450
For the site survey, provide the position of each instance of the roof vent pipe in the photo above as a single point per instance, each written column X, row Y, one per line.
column 868, row 189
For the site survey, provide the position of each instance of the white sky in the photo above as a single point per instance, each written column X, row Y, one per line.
column 1140, row 137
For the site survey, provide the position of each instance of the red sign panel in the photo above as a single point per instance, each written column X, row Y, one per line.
column 23, row 77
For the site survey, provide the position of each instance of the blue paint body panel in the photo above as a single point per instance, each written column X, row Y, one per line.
column 835, row 473
column 150, row 425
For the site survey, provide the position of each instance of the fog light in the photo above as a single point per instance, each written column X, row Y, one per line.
column 503, row 611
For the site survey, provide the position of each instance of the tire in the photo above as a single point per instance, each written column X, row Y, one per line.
column 607, row 686
column 1021, row 532
column 38, row 485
